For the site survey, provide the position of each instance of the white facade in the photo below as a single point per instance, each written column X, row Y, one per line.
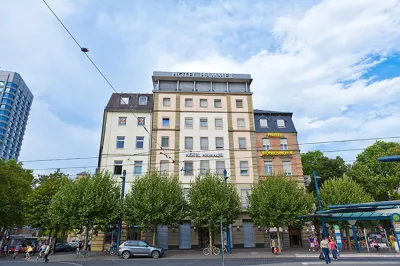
column 197, row 132
column 134, row 155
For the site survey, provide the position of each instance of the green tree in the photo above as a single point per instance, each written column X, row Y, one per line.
column 209, row 198
column 89, row 204
column 15, row 186
column 325, row 167
column 379, row 179
column 278, row 201
column 38, row 201
column 338, row 191
column 155, row 199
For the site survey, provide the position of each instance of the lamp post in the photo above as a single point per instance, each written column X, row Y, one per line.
column 228, row 228
column 120, row 219
column 319, row 203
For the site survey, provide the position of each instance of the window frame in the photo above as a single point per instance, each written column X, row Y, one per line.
column 242, row 173
column 266, row 123
column 284, row 146
column 137, row 164
column 217, row 168
column 244, row 123
column 204, row 170
column 237, row 101
column 163, row 138
column 217, row 101
column 203, row 101
column 204, row 119
column 185, row 168
column 216, row 143
column 283, row 125
column 122, row 121
column 188, row 119
column 167, row 99
column 268, row 146
column 139, row 141
column 208, row 144
column 289, row 164
column 245, row 144
column 124, row 100
column 245, row 200
column 118, row 163
column 215, row 122
column 165, row 119
column 141, row 97
column 163, row 163
column 120, row 141
column 187, row 100
column 139, row 123
column 270, row 165
column 186, row 138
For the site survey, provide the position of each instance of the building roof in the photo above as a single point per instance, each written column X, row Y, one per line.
column 272, row 117
column 202, row 76
column 114, row 104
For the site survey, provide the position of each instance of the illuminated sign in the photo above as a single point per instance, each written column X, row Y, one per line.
column 202, row 75
column 276, row 153
column 205, row 154
column 274, row 134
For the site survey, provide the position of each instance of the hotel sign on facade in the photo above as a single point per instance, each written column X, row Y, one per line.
column 277, row 153
column 204, row 154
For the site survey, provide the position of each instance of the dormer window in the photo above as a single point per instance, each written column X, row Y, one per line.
column 124, row 100
column 281, row 123
column 142, row 100
column 263, row 122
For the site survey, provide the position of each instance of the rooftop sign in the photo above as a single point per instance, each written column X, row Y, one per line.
column 202, row 75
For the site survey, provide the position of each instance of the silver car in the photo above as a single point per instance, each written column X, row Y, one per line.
column 139, row 248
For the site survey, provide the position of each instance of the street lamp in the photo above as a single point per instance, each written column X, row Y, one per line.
column 120, row 219
column 319, row 202
column 228, row 231
column 222, row 231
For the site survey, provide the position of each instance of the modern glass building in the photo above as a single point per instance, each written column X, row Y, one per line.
column 16, row 101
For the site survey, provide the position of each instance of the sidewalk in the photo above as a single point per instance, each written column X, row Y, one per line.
column 236, row 254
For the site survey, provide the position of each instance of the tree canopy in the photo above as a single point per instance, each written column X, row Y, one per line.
column 155, row 199
column 379, row 179
column 325, row 167
column 15, row 186
column 209, row 198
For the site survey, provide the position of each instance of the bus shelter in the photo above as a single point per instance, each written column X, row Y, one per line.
column 383, row 210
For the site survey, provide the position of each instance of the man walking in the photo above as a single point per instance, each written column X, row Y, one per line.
column 325, row 249
column 46, row 253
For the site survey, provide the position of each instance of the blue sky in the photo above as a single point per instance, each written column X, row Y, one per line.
column 335, row 64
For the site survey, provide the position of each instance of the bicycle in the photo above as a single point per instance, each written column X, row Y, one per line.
column 83, row 253
column 215, row 250
column 110, row 251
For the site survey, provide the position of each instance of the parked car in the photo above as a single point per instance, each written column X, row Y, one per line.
column 139, row 248
column 63, row 247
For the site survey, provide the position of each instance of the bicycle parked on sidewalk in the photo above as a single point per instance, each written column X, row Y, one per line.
column 215, row 250
column 110, row 251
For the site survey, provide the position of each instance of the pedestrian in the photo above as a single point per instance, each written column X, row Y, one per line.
column 311, row 239
column 333, row 248
column 316, row 245
column 325, row 249
column 41, row 252
column 16, row 251
column 46, row 253
column 273, row 246
column 28, row 252
column 374, row 244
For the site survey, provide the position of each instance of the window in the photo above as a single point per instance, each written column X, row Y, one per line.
column 266, row 143
column 218, row 122
column 239, row 103
column 217, row 103
column 203, row 103
column 165, row 122
column 204, row 143
column 117, row 167
column 139, row 142
column 240, row 122
column 244, row 193
column 287, row 167
column 188, row 102
column 188, row 121
column 138, row 168
column 281, row 123
column 219, row 142
column 268, row 168
column 186, row 193
column 120, row 142
column 142, row 100
column 164, row 165
column 122, row 121
column 141, row 121
column 188, row 168
column 284, row 144
column 204, row 167
column 166, row 102
column 242, row 143
column 203, row 122
column 244, row 168
column 263, row 122
column 164, row 142
column 189, row 143
column 220, row 167
column 124, row 100
column 143, row 244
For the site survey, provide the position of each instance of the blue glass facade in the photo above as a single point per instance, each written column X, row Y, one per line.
column 15, row 104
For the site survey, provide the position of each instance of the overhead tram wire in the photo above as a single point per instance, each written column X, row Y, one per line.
column 85, row 50
column 185, row 151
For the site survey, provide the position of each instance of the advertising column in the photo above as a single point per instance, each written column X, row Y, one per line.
column 338, row 237
column 395, row 218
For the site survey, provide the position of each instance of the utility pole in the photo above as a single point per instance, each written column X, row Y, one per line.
column 319, row 203
column 228, row 228
column 120, row 219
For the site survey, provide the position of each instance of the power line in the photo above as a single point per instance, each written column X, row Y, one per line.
column 84, row 50
column 184, row 151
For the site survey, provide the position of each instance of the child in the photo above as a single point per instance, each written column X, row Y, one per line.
column 28, row 252
column 16, row 251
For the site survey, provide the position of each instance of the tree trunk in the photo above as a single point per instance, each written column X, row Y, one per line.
column 211, row 240
column 55, row 241
column 348, row 238
column 279, row 239
column 86, row 236
column 154, row 235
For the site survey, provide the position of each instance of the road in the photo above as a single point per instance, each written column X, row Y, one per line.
column 207, row 262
